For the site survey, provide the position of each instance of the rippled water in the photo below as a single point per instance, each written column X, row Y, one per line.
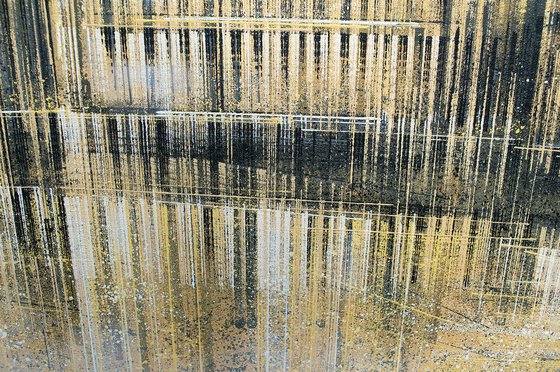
column 198, row 242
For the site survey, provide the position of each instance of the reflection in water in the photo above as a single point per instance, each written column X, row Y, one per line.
column 130, row 279
column 140, row 248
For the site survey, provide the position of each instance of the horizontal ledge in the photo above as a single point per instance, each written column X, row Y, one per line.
column 267, row 22
column 306, row 122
